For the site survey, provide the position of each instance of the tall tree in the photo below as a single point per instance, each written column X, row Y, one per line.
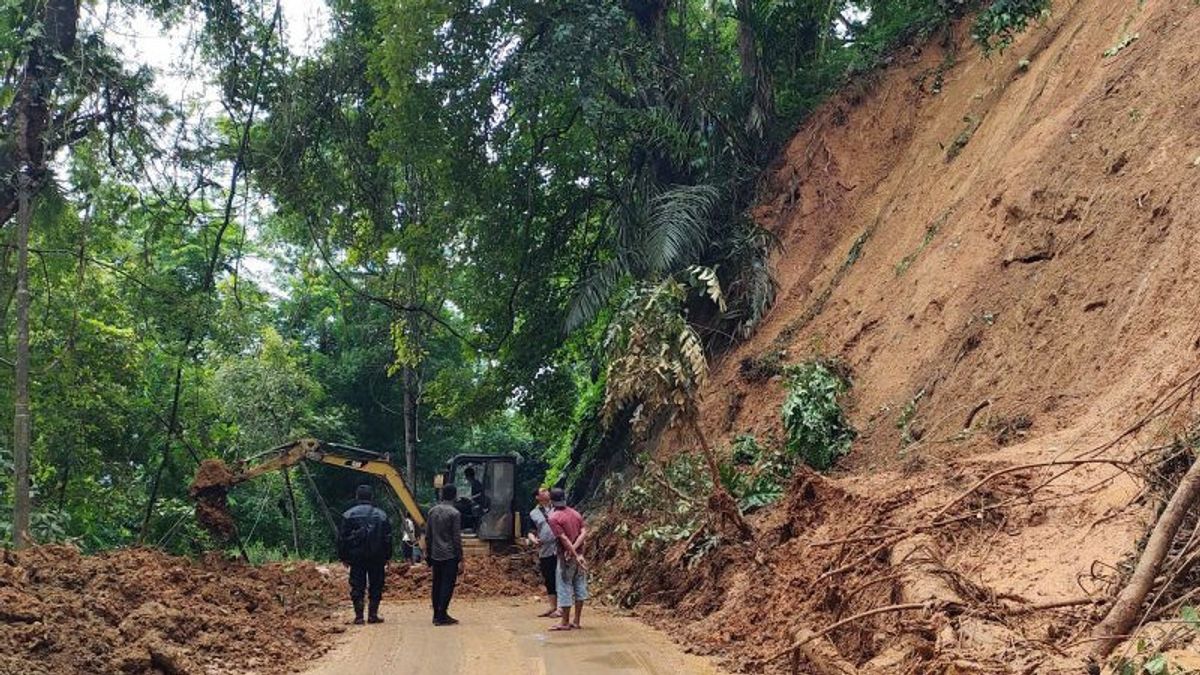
column 52, row 42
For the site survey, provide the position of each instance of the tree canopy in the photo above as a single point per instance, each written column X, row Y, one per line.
column 415, row 236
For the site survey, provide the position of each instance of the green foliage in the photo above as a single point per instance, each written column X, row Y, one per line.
column 1125, row 41
column 905, row 422
column 1000, row 22
column 816, row 425
column 656, row 359
column 758, row 474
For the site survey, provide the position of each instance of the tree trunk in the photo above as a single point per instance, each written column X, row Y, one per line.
column 754, row 75
column 410, row 426
column 30, row 113
column 287, row 483
column 21, row 421
column 720, row 501
column 1127, row 608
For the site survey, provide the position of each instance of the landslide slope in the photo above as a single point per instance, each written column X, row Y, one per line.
column 1004, row 252
column 1013, row 236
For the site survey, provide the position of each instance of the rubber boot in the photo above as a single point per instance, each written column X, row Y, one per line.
column 373, row 613
column 358, row 612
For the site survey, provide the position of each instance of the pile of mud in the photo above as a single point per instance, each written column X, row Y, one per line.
column 138, row 611
column 210, row 490
column 483, row 577
column 824, row 554
column 143, row 611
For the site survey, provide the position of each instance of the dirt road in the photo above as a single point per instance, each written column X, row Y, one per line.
column 504, row 636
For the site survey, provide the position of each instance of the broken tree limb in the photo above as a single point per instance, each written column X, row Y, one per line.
column 805, row 637
column 822, row 656
column 1127, row 607
column 1021, row 467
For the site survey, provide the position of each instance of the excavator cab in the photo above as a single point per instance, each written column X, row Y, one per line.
column 486, row 496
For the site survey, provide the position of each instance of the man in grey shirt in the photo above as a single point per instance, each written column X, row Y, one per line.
column 543, row 537
column 443, row 537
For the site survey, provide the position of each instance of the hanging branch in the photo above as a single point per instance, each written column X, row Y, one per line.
column 399, row 306
column 209, row 276
column 320, row 500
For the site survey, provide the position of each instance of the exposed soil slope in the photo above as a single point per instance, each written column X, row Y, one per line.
column 1026, row 237
column 1004, row 252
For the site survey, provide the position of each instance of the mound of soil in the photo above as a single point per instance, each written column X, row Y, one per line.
column 484, row 577
column 210, row 489
column 139, row 610
column 142, row 611
column 823, row 554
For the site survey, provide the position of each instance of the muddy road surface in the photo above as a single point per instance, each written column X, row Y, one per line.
column 505, row 636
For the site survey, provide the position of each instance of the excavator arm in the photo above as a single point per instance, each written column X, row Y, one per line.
column 344, row 456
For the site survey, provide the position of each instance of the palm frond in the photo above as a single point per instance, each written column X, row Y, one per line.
column 680, row 226
column 594, row 294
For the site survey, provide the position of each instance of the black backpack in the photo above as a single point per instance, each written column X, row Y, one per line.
column 362, row 539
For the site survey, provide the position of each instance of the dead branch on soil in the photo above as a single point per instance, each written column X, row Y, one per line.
column 1122, row 464
column 860, row 559
column 1060, row 604
column 822, row 656
column 806, row 637
column 1125, row 610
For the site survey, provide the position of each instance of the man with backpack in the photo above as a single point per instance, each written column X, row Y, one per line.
column 365, row 546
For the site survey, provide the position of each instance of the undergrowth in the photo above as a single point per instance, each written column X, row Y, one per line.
column 1000, row 22
column 672, row 496
column 817, row 429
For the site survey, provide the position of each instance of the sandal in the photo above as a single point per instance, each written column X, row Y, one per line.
column 549, row 614
column 559, row 626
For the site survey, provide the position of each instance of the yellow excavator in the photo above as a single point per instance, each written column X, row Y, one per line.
column 490, row 520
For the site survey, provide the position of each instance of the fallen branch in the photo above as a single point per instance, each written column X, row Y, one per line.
column 867, row 556
column 1125, row 610
column 822, row 656
column 1060, row 604
column 1021, row 467
column 809, row 636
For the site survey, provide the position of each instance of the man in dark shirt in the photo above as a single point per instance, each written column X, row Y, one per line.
column 365, row 546
column 443, row 537
column 476, row 485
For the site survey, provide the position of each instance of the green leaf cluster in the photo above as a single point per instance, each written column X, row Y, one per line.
column 818, row 431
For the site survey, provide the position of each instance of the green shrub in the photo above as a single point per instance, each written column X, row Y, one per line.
column 999, row 24
column 817, row 429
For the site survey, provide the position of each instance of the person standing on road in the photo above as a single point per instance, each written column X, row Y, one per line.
column 571, row 576
column 365, row 546
column 443, row 538
column 543, row 537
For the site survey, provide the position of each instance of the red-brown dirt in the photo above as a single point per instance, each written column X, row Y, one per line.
column 1005, row 264
column 142, row 611
column 210, row 490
